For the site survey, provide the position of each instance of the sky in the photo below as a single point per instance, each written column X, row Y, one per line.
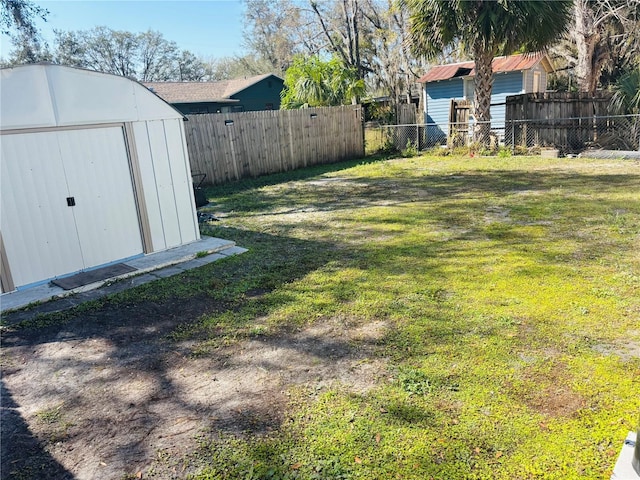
column 208, row 28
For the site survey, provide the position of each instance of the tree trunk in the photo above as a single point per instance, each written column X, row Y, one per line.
column 482, row 99
column 587, row 38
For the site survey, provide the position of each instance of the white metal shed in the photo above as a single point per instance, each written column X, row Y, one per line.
column 94, row 171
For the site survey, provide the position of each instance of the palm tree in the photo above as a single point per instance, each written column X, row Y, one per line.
column 626, row 93
column 626, row 101
column 318, row 83
column 485, row 29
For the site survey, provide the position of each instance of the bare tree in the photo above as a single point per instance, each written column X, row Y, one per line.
column 368, row 36
column 18, row 22
column 158, row 57
column 146, row 56
column 20, row 16
column 277, row 30
column 189, row 67
column 393, row 69
column 604, row 38
column 228, row 68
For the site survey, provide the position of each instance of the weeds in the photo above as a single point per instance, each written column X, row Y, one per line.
column 507, row 285
column 411, row 150
column 494, row 316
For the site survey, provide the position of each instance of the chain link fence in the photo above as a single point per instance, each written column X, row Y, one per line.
column 573, row 135
column 568, row 135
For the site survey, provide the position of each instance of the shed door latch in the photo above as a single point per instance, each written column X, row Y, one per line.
column 71, row 202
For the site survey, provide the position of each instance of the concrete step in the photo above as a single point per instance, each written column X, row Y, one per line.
column 148, row 268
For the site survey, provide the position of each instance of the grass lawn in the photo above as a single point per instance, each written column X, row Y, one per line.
column 489, row 308
column 508, row 296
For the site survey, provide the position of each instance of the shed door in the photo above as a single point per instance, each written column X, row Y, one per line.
column 42, row 175
column 99, row 180
column 39, row 235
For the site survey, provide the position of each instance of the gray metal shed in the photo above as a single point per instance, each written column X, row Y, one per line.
column 94, row 170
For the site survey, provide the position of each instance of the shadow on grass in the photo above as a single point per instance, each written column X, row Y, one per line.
column 124, row 355
column 484, row 217
column 128, row 374
column 211, row 191
column 347, row 194
column 22, row 454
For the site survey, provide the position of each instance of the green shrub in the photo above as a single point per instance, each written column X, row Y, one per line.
column 388, row 146
column 410, row 150
column 504, row 152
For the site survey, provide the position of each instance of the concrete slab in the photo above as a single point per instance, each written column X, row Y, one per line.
column 149, row 268
column 615, row 154
column 168, row 271
column 624, row 466
column 232, row 251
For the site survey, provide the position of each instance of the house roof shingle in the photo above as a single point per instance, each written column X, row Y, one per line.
column 193, row 92
column 511, row 63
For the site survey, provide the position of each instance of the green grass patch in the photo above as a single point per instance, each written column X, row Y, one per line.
column 510, row 288
column 505, row 280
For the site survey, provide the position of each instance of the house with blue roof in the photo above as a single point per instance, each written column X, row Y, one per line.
column 513, row 75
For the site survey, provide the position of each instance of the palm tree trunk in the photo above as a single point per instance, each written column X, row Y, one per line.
column 482, row 97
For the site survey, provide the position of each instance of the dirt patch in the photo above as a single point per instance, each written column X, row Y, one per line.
column 495, row 214
column 109, row 394
column 625, row 350
column 551, row 393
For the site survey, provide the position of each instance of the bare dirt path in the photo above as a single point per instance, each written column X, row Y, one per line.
column 110, row 395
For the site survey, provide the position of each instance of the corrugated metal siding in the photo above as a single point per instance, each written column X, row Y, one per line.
column 163, row 184
column 43, row 237
column 46, row 238
column 34, row 109
column 34, row 96
column 165, row 174
column 182, row 184
column 504, row 84
column 511, row 63
column 195, row 230
column 147, row 172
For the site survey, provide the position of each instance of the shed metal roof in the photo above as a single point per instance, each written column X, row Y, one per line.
column 194, row 92
column 511, row 63
column 47, row 95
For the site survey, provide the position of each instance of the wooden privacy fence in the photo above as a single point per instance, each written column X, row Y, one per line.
column 231, row 146
column 555, row 118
